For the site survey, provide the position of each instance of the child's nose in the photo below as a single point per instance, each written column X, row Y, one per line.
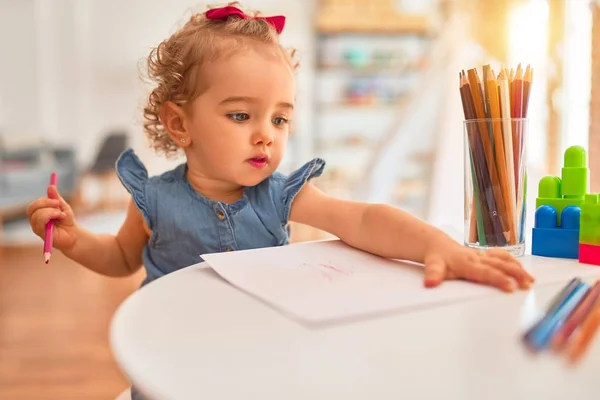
column 264, row 136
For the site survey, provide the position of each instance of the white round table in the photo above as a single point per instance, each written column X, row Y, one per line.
column 191, row 335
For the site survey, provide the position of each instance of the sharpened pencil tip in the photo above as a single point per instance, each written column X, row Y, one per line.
column 47, row 257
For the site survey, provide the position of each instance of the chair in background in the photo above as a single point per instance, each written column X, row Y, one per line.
column 26, row 162
column 107, row 193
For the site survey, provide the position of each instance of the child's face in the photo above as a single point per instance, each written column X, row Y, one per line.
column 239, row 126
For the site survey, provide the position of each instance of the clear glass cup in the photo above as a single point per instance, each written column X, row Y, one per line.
column 495, row 183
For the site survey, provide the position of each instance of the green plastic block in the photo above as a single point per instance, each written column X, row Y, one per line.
column 575, row 173
column 550, row 194
column 550, row 187
column 558, row 204
column 589, row 230
column 570, row 188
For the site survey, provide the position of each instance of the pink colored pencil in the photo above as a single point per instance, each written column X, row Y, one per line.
column 49, row 227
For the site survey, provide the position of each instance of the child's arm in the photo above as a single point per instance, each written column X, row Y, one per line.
column 376, row 228
column 392, row 233
column 110, row 255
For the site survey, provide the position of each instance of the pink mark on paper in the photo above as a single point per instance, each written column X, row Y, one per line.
column 327, row 271
column 333, row 268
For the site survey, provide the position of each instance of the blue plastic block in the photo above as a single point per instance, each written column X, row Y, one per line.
column 551, row 240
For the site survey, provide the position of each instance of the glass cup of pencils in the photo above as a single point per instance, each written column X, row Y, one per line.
column 495, row 158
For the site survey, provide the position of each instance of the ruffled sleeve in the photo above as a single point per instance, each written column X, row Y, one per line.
column 285, row 188
column 134, row 177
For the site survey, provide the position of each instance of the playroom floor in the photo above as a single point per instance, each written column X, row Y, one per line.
column 54, row 324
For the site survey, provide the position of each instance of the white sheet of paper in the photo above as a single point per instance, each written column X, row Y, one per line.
column 328, row 281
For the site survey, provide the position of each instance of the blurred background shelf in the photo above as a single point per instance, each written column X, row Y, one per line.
column 371, row 63
column 369, row 17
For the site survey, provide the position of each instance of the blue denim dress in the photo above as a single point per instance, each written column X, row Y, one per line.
column 185, row 224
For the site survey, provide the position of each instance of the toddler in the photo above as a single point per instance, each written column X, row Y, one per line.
column 224, row 96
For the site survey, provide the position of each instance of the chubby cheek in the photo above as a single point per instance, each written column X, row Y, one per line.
column 278, row 147
column 226, row 156
column 276, row 157
column 216, row 140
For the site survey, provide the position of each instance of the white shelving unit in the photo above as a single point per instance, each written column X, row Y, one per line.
column 370, row 74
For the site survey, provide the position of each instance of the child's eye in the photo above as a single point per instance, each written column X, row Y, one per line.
column 238, row 117
column 278, row 121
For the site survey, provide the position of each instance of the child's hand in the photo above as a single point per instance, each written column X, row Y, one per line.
column 494, row 267
column 53, row 207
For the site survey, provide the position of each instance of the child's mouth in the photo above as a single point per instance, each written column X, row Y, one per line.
column 258, row 162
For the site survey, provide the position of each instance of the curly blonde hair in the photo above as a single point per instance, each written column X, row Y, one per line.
column 173, row 65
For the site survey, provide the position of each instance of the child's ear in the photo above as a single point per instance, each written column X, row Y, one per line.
column 172, row 117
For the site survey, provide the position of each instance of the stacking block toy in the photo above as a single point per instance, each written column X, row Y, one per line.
column 589, row 233
column 589, row 254
column 551, row 240
column 570, row 188
column 590, row 220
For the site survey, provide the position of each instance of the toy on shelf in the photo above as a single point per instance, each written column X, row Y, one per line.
column 569, row 189
column 551, row 240
column 589, row 235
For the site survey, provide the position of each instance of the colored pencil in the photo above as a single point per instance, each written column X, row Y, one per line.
column 476, row 231
column 496, row 133
column 555, row 304
column 518, row 128
column 484, row 135
column 527, row 81
column 484, row 225
column 551, row 323
column 492, row 229
column 578, row 316
column 49, row 234
column 517, row 112
column 585, row 335
column 563, row 295
column 508, row 143
column 517, row 103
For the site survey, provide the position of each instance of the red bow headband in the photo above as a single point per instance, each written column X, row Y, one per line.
column 278, row 21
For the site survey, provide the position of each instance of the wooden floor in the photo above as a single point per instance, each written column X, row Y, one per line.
column 54, row 323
